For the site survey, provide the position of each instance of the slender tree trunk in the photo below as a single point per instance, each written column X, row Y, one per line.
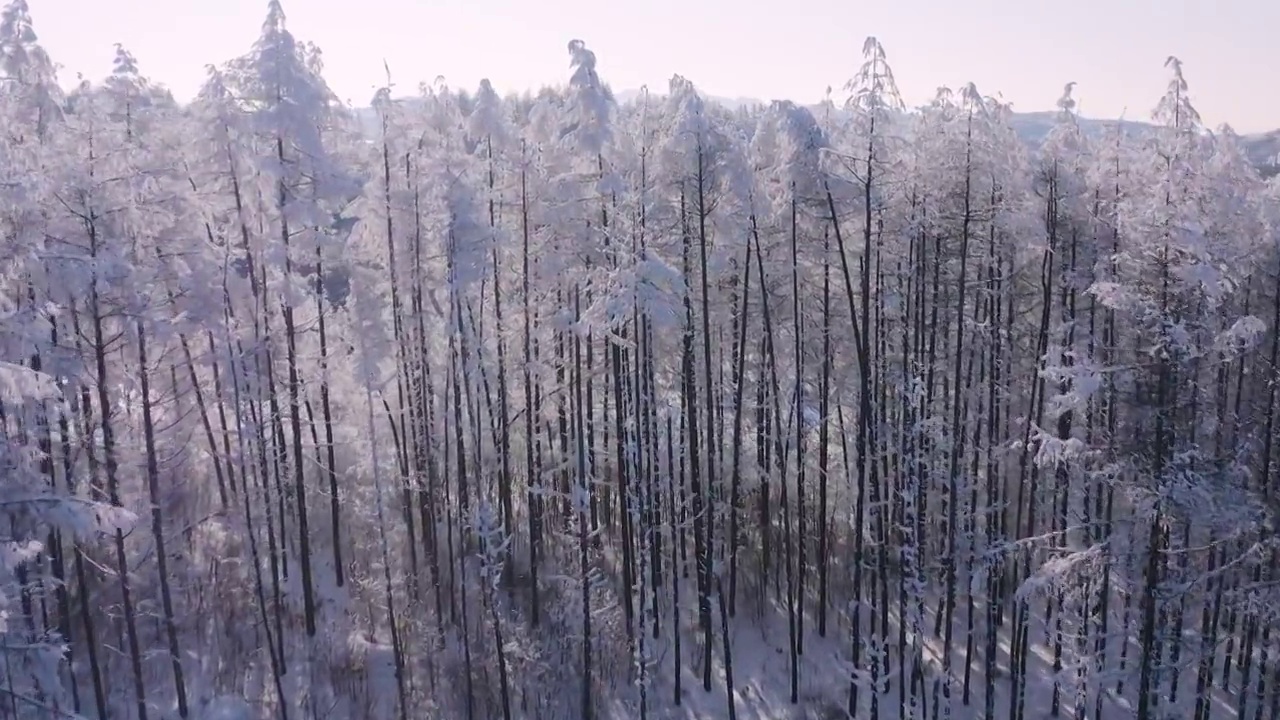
column 157, row 522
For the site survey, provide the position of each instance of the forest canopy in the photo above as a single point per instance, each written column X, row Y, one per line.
column 555, row 406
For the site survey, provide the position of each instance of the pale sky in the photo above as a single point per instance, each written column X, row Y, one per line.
column 1025, row 51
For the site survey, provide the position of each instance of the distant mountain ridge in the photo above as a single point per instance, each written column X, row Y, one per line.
column 1262, row 149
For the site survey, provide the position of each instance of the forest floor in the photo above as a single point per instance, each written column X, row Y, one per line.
column 762, row 680
column 759, row 642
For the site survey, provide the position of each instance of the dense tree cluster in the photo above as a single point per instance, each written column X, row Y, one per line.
column 548, row 406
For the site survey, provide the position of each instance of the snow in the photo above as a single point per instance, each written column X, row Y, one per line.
column 524, row 324
column 226, row 707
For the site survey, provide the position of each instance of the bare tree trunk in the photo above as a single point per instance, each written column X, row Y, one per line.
column 157, row 522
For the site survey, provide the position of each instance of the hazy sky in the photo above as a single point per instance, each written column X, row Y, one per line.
column 1024, row 50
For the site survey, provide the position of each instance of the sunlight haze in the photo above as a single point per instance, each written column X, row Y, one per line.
column 1024, row 51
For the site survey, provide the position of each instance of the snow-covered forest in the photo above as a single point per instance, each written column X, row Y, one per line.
column 549, row 406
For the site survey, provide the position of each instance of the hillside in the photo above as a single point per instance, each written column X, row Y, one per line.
column 525, row 408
